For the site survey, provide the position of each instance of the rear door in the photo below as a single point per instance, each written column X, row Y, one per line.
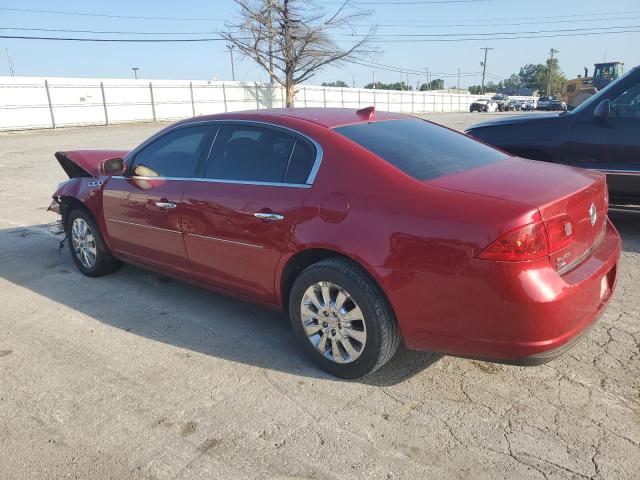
column 238, row 218
column 143, row 209
column 612, row 146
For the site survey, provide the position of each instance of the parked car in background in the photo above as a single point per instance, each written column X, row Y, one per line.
column 462, row 249
column 502, row 101
column 603, row 134
column 529, row 105
column 513, row 106
column 483, row 105
column 551, row 104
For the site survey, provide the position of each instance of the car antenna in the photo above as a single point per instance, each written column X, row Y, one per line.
column 368, row 112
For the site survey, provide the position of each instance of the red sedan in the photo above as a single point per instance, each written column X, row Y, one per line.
column 368, row 228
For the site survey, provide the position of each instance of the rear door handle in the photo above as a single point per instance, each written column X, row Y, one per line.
column 269, row 216
column 165, row 205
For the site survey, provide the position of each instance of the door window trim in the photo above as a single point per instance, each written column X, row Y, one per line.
column 219, row 123
column 130, row 158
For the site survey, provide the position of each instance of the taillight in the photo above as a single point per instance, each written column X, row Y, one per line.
column 560, row 232
column 524, row 243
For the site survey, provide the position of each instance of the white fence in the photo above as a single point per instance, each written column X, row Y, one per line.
column 37, row 102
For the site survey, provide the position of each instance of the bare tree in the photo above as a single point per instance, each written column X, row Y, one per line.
column 293, row 39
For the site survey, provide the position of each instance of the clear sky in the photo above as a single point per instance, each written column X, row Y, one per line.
column 211, row 60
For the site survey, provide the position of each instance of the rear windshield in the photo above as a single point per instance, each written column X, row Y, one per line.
column 421, row 149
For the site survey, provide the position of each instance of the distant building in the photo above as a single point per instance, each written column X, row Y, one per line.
column 462, row 91
column 519, row 91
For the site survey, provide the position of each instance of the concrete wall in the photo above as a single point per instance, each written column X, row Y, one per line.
column 38, row 102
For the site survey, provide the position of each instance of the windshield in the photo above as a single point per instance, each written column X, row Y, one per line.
column 596, row 98
column 421, row 149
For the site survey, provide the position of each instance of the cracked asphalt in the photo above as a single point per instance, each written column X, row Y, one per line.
column 136, row 376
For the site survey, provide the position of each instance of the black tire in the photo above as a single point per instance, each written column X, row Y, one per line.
column 104, row 263
column 382, row 333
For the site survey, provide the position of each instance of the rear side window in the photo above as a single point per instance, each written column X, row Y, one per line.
column 248, row 153
column 421, row 149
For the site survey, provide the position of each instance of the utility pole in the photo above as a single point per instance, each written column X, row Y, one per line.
column 353, row 83
column 552, row 52
column 484, row 67
column 458, row 89
column 374, row 80
column 11, row 71
column 135, row 72
column 428, row 86
column 233, row 72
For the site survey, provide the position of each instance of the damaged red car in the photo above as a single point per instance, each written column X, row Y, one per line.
column 369, row 229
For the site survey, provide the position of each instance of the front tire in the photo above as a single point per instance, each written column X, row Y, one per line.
column 342, row 320
column 88, row 250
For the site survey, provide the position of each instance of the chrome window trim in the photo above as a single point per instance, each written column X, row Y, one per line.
column 218, row 180
column 310, row 179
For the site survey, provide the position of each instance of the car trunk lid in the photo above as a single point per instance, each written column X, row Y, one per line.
column 85, row 163
column 562, row 194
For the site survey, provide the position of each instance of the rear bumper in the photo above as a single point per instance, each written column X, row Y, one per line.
column 520, row 313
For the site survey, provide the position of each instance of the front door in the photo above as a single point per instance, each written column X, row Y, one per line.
column 238, row 219
column 613, row 145
column 143, row 209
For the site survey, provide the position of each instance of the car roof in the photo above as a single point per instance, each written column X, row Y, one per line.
column 327, row 117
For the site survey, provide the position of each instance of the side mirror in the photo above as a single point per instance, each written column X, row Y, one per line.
column 112, row 166
column 602, row 111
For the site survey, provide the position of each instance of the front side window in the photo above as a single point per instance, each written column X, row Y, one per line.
column 421, row 149
column 248, row 153
column 174, row 154
column 627, row 105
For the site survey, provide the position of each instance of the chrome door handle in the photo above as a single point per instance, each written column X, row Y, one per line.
column 269, row 216
column 167, row 205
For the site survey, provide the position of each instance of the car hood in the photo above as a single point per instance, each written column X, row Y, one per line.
column 517, row 119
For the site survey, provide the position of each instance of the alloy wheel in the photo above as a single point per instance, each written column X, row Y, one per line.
column 83, row 242
column 333, row 322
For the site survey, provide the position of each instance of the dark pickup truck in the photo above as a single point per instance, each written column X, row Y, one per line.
column 602, row 134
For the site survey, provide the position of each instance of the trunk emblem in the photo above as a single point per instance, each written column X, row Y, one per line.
column 593, row 214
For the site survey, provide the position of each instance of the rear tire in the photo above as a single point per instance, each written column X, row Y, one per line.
column 87, row 247
column 342, row 320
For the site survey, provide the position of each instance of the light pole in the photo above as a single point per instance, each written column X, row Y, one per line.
column 233, row 72
column 135, row 72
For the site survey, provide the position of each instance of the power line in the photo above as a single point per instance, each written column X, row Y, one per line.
column 89, row 14
column 564, row 30
column 413, row 35
column 106, row 32
column 415, row 2
column 428, row 40
column 118, row 40
column 220, row 39
column 599, row 16
column 475, row 24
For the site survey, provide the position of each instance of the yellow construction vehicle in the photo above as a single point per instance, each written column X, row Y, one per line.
column 577, row 90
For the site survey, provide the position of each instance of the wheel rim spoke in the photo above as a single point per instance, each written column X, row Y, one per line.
column 312, row 328
column 353, row 314
column 340, row 299
column 333, row 322
column 359, row 335
column 326, row 295
column 349, row 348
column 335, row 351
